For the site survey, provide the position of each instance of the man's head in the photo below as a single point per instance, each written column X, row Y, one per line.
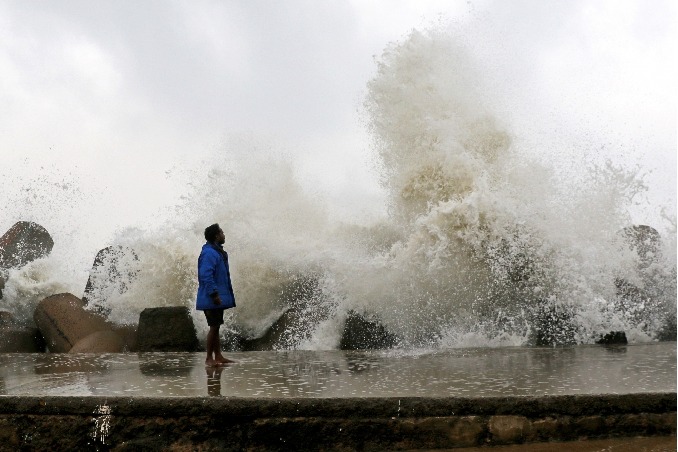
column 214, row 234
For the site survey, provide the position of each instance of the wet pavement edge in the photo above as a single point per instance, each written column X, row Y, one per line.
column 571, row 405
column 390, row 423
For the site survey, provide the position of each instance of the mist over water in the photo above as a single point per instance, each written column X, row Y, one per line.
column 481, row 234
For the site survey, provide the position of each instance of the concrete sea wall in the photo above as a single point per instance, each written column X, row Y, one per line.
column 225, row 423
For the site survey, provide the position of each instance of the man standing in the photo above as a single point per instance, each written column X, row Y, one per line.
column 215, row 292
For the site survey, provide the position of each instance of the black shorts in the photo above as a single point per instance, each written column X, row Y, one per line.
column 215, row 317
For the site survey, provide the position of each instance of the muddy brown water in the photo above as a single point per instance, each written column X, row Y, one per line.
column 655, row 444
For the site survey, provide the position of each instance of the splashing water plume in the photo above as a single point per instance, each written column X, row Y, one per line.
column 483, row 244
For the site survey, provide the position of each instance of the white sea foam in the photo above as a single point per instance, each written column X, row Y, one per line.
column 483, row 234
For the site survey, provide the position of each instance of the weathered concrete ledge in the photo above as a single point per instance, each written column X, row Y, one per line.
column 225, row 423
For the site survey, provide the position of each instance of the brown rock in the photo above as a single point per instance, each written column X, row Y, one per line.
column 508, row 429
column 24, row 242
column 63, row 321
column 467, row 431
column 668, row 422
column 8, row 435
column 549, row 428
column 99, row 342
column 662, row 423
column 589, row 425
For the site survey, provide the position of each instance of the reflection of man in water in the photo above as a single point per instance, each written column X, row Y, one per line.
column 215, row 292
column 214, row 381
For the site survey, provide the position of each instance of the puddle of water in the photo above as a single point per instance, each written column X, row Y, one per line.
column 485, row 372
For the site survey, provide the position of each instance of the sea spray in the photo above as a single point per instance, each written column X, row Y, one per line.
column 485, row 242
column 490, row 234
column 275, row 237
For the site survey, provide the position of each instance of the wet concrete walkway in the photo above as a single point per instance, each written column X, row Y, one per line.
column 480, row 372
column 335, row 400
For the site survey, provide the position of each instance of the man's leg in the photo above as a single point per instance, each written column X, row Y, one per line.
column 218, row 319
column 218, row 357
column 212, row 346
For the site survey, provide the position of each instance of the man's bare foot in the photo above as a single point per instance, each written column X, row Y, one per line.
column 213, row 363
column 222, row 360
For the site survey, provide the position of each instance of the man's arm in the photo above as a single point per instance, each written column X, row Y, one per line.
column 206, row 271
column 216, row 299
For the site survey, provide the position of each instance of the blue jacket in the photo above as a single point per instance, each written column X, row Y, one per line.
column 214, row 277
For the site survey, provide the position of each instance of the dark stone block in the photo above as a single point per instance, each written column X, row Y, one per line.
column 24, row 242
column 613, row 338
column 289, row 329
column 15, row 339
column 361, row 333
column 113, row 271
column 166, row 329
column 553, row 325
column 668, row 332
column 645, row 240
column 305, row 308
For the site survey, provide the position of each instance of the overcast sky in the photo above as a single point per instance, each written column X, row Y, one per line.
column 120, row 92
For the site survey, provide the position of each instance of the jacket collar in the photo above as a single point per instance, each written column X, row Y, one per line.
column 217, row 247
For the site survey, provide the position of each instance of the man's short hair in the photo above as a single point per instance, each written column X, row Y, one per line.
column 211, row 232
